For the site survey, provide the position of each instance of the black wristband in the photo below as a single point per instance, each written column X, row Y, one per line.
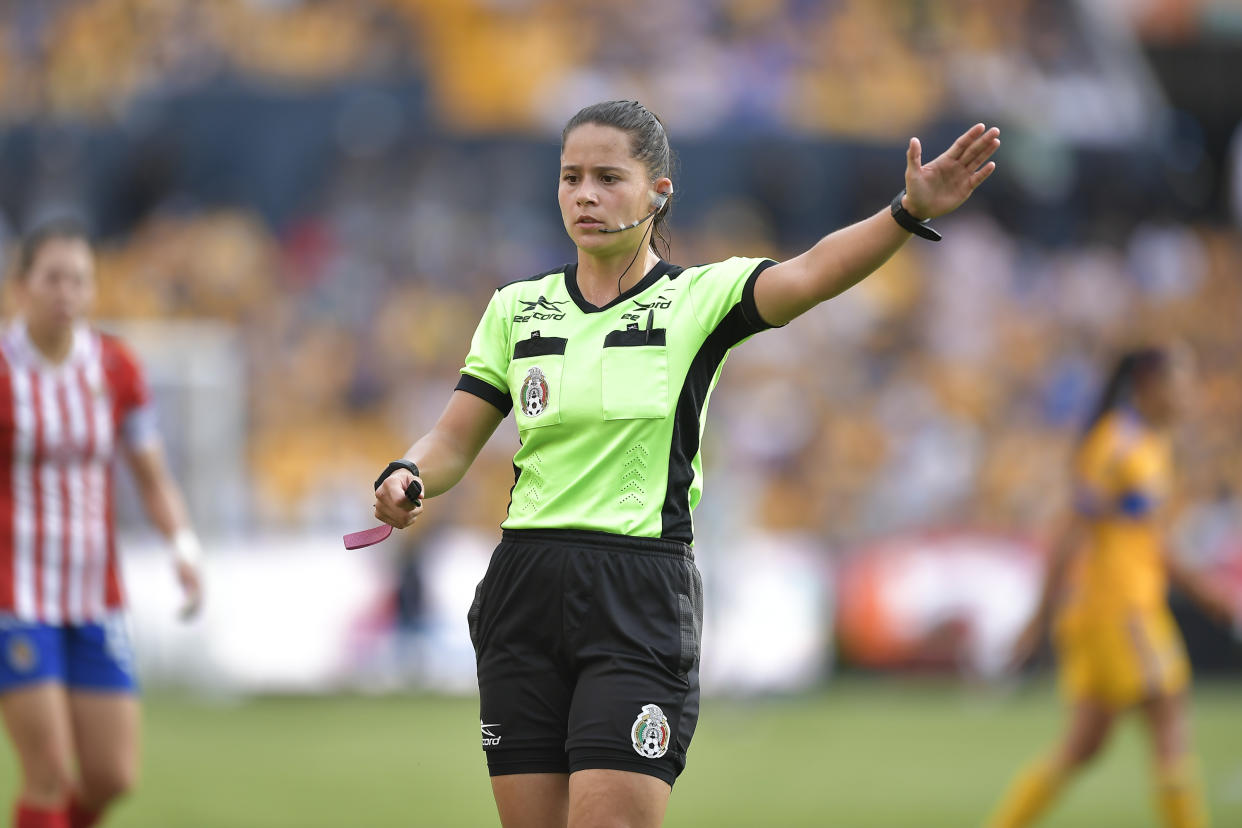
column 412, row 492
column 909, row 222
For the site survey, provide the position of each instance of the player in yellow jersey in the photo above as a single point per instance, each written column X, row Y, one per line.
column 1116, row 642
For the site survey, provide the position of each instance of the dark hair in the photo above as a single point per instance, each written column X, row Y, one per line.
column 1131, row 368
column 648, row 144
column 65, row 227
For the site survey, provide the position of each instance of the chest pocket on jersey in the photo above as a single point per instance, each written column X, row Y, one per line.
column 635, row 375
column 535, row 371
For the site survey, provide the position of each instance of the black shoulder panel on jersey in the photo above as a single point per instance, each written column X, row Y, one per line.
column 536, row 277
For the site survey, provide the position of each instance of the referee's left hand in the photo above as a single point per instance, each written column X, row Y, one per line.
column 941, row 186
column 391, row 504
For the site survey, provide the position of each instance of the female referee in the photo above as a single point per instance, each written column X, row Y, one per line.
column 1117, row 643
column 69, row 397
column 587, row 624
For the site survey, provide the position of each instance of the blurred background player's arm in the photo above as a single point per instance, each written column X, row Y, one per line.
column 165, row 506
column 1066, row 541
column 442, row 455
column 1190, row 582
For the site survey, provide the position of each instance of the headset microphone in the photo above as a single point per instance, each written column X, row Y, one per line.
column 658, row 201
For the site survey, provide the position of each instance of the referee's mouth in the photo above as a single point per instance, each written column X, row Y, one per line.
column 589, row 222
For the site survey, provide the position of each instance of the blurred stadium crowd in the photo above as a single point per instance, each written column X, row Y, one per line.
column 946, row 391
column 850, row 67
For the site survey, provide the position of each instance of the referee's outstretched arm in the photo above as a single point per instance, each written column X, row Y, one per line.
column 443, row 455
column 844, row 258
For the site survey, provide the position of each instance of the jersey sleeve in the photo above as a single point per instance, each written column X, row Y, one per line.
column 717, row 290
column 1095, row 470
column 1117, row 473
column 1140, row 481
column 133, row 407
column 1092, row 483
column 485, row 373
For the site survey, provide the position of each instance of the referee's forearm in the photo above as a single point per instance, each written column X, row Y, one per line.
column 842, row 259
column 836, row 263
column 441, row 463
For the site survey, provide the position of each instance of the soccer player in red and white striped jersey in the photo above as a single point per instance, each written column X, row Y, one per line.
column 71, row 399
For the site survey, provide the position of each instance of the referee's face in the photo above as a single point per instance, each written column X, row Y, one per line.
column 602, row 186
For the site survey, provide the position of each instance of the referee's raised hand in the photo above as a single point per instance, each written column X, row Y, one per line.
column 940, row 186
column 391, row 504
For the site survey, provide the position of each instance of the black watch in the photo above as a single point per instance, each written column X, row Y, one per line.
column 415, row 490
column 909, row 222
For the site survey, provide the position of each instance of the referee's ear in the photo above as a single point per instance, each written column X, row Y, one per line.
column 662, row 187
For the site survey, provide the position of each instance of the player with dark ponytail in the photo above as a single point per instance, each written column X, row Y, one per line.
column 1132, row 368
column 1117, row 644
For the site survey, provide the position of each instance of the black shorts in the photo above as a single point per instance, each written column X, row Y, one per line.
column 588, row 653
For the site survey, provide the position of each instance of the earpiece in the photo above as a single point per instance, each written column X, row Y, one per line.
column 658, row 200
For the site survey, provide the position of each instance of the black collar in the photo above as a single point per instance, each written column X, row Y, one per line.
column 571, row 283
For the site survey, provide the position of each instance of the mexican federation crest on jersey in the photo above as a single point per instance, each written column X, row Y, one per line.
column 535, row 393
column 651, row 732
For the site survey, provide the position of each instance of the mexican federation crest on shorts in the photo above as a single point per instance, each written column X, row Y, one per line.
column 651, row 732
column 534, row 393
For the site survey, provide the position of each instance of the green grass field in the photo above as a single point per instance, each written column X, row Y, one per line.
column 859, row 753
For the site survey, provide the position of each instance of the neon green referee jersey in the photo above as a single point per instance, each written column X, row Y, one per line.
column 610, row 401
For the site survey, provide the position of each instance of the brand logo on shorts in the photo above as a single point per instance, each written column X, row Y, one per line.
column 535, row 393
column 22, row 654
column 490, row 739
column 651, row 732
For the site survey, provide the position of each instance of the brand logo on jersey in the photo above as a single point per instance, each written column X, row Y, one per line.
column 661, row 302
column 535, row 393
column 490, row 739
column 22, row 654
column 651, row 732
column 541, row 309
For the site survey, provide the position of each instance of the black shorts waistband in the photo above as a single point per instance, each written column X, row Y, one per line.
column 604, row 540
